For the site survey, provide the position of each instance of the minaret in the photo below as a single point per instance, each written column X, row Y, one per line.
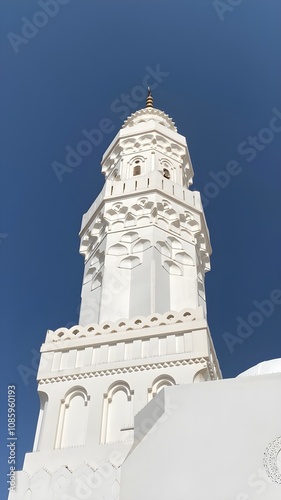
column 145, row 238
column 143, row 319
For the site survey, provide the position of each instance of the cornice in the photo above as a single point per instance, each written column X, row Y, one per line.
column 122, row 370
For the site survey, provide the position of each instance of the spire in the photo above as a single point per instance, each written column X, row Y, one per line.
column 149, row 99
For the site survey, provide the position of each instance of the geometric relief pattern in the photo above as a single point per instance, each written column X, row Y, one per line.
column 272, row 460
column 147, row 211
column 99, row 482
column 120, row 216
column 91, row 239
column 40, row 485
column 189, row 224
column 214, row 374
column 144, row 212
column 167, row 217
column 154, row 140
column 203, row 254
column 174, row 258
column 130, row 245
column 94, row 273
column 115, row 215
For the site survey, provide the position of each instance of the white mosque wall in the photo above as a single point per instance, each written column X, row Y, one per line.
column 218, row 440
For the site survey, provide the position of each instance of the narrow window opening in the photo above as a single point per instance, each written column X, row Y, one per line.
column 137, row 170
column 111, row 191
column 166, row 173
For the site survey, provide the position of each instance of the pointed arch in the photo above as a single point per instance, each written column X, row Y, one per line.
column 172, row 268
column 184, row 258
column 130, row 220
column 117, row 249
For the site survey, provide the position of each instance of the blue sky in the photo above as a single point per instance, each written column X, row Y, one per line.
column 219, row 78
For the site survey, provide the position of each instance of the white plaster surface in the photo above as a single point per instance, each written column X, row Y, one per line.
column 208, row 443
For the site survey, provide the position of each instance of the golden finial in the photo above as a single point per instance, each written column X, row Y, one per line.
column 149, row 99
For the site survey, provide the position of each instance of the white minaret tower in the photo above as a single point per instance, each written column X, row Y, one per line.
column 145, row 238
column 143, row 319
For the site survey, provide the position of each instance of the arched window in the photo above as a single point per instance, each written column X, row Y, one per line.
column 137, row 168
column 167, row 168
column 159, row 383
column 117, row 419
column 114, row 174
column 166, row 173
column 73, row 419
column 136, row 165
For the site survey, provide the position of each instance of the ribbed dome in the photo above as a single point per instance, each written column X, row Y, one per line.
column 263, row 368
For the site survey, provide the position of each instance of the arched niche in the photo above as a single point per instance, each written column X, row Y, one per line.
column 201, row 376
column 117, row 418
column 73, row 418
column 43, row 396
column 159, row 383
